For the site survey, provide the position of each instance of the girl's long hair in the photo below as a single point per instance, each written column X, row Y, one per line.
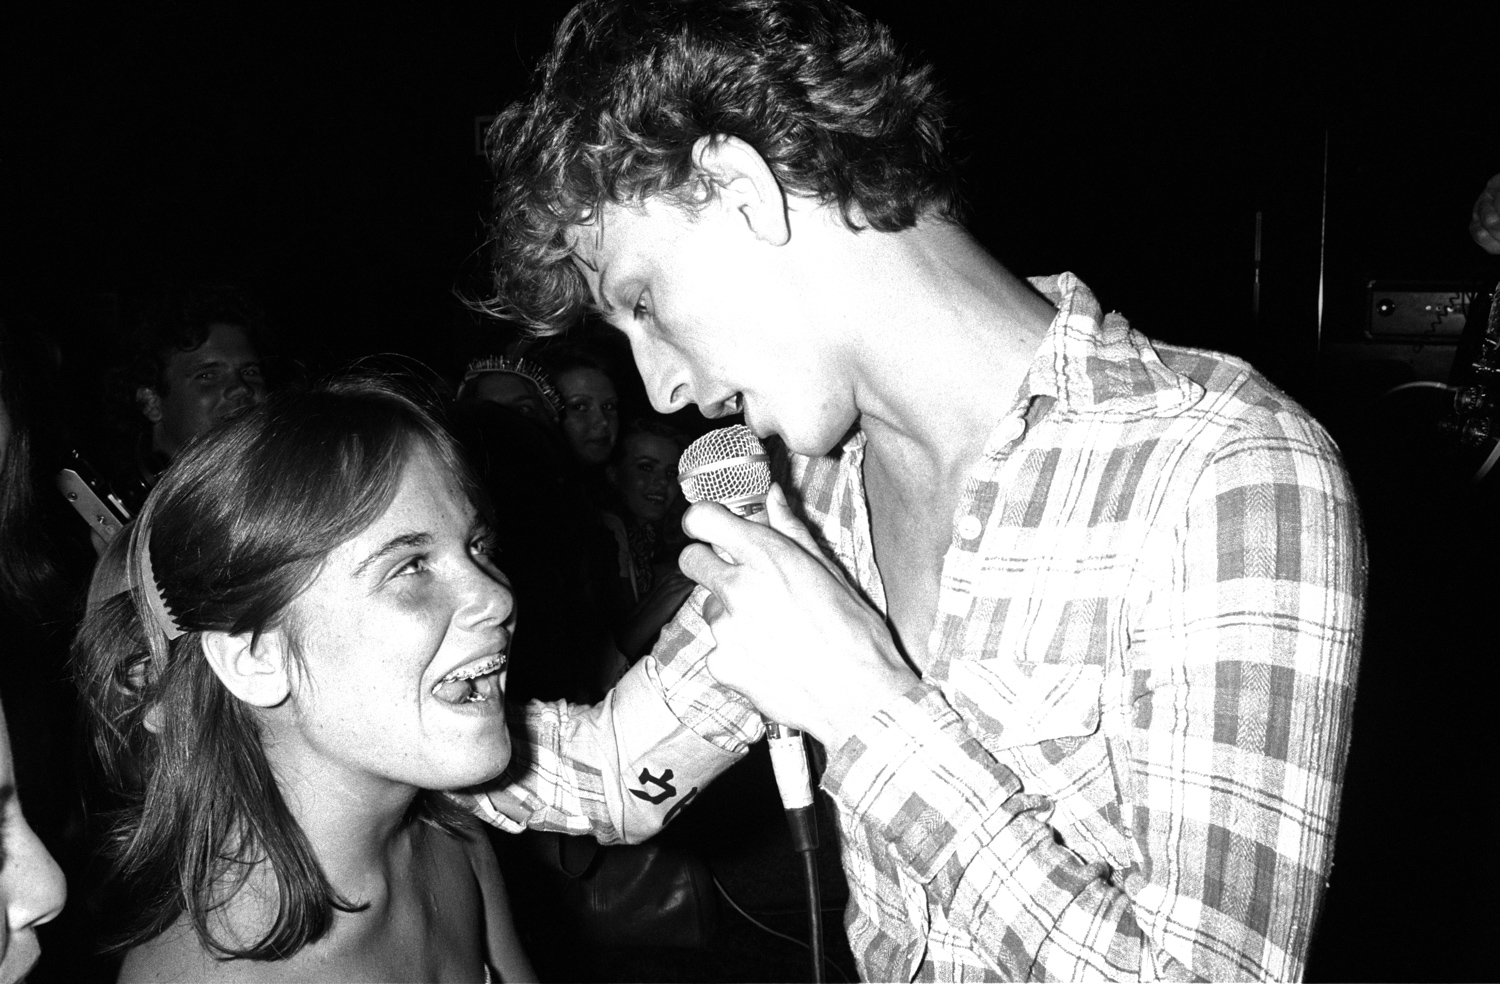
column 235, row 530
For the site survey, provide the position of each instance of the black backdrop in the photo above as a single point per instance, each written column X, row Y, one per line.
column 324, row 157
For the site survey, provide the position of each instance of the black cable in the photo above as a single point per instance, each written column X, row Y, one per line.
column 723, row 891
column 814, row 913
column 803, row 822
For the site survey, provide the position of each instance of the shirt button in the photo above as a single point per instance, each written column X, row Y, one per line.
column 1015, row 428
column 968, row 527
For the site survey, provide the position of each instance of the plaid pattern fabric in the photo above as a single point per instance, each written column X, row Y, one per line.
column 1126, row 755
column 1125, row 758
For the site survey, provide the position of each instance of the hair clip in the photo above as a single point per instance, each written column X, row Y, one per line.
column 156, row 601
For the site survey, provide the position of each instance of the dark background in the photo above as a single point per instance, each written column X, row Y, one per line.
column 324, row 158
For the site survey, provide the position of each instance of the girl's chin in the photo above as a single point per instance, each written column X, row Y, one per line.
column 476, row 772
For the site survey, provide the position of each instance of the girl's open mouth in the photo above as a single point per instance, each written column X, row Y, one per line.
column 474, row 683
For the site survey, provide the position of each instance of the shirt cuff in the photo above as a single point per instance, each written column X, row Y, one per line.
column 678, row 666
column 915, row 776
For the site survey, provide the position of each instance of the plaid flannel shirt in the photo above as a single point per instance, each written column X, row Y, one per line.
column 1125, row 757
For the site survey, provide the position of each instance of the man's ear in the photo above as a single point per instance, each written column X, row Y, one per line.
column 743, row 179
column 257, row 673
column 150, row 403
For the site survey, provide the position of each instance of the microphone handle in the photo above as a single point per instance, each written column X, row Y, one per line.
column 794, row 781
column 788, row 750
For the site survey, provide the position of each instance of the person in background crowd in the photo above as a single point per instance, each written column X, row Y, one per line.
column 590, row 405
column 559, row 556
column 512, row 381
column 197, row 358
column 1076, row 614
column 647, row 526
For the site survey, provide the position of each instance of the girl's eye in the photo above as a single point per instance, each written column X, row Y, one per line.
column 485, row 545
column 414, row 566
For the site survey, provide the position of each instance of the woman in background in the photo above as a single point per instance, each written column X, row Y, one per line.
column 647, row 523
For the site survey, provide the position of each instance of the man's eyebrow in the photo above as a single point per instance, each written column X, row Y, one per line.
column 603, row 299
column 599, row 299
column 399, row 542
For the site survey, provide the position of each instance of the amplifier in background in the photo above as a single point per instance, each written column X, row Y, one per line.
column 1418, row 312
column 1411, row 332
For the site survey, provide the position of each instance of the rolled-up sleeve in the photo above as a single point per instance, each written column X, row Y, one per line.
column 623, row 768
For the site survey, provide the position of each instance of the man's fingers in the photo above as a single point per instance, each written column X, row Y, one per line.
column 785, row 522
column 699, row 562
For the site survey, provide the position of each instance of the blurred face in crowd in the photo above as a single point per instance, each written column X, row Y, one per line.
column 202, row 387
column 32, row 889
column 646, row 475
column 516, row 392
column 591, row 413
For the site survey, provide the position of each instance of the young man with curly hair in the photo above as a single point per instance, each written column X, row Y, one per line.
column 1075, row 614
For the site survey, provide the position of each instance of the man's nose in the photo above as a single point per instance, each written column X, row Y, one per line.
column 665, row 376
column 242, row 387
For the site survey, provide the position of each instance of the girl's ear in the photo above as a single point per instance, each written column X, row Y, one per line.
column 258, row 672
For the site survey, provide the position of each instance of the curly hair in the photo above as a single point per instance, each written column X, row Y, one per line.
column 821, row 92
column 179, row 320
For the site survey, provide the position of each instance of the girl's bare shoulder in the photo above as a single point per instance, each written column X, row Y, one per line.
column 178, row 954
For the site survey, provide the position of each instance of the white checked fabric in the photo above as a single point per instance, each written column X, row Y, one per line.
column 1126, row 756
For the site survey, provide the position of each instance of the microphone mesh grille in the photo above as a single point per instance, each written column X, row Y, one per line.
column 724, row 464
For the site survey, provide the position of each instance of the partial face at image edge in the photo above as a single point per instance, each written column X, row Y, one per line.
column 32, row 888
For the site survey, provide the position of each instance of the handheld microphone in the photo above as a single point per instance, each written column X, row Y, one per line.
column 729, row 466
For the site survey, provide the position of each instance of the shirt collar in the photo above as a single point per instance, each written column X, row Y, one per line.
column 1090, row 361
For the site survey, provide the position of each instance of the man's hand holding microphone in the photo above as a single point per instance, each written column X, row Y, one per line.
column 792, row 635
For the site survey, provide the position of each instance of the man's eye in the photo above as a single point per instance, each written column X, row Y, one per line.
column 486, row 545
column 253, row 371
column 640, row 310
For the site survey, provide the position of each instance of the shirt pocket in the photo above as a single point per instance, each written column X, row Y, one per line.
column 1042, row 721
column 1009, row 704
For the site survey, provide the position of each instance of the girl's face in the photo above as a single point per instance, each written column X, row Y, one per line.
column 591, row 413
column 403, row 639
column 32, row 889
column 647, row 476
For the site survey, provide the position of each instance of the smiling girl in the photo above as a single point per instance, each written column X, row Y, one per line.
column 315, row 639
